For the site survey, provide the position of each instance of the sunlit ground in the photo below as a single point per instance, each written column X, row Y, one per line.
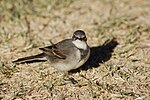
column 118, row 33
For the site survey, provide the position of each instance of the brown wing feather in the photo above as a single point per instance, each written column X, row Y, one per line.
column 53, row 50
column 60, row 49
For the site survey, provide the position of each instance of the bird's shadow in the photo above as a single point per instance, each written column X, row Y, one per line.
column 99, row 54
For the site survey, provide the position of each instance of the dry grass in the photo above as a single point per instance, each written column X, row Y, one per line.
column 118, row 69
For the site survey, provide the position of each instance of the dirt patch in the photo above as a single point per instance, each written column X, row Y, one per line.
column 119, row 36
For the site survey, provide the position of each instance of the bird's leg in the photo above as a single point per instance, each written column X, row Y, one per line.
column 71, row 79
column 51, row 42
column 65, row 74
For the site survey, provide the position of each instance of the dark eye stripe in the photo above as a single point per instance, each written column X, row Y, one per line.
column 77, row 37
column 84, row 38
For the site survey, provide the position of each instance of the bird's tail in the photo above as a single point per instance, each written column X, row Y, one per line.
column 30, row 58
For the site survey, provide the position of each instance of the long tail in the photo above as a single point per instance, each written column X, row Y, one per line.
column 30, row 58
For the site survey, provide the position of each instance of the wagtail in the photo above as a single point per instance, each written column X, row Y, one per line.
column 65, row 55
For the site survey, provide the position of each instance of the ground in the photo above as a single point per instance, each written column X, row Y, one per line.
column 118, row 33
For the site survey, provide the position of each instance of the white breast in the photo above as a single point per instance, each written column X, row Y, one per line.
column 80, row 44
column 83, row 60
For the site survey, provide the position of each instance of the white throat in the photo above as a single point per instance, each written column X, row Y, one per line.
column 80, row 44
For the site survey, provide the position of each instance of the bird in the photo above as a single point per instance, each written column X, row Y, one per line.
column 66, row 55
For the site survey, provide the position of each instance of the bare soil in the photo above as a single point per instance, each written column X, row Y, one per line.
column 118, row 33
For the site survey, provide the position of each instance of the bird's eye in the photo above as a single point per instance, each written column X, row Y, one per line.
column 78, row 38
column 85, row 39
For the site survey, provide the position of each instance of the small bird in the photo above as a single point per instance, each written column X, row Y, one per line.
column 65, row 55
